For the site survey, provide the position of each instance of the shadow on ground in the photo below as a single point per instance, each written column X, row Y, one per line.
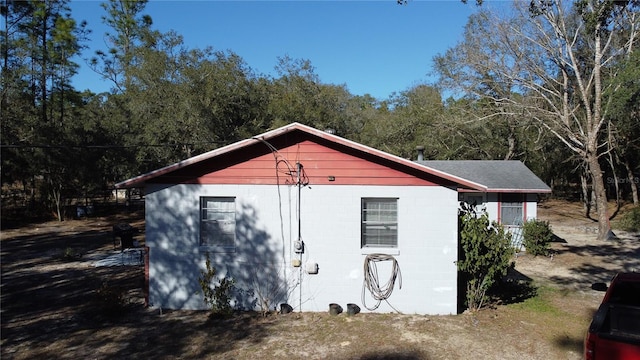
column 408, row 354
column 573, row 343
column 569, row 344
column 56, row 305
column 614, row 256
column 514, row 288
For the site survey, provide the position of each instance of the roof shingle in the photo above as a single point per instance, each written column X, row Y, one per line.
column 496, row 175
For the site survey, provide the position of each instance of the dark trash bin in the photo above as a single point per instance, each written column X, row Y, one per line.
column 125, row 233
column 126, row 240
column 335, row 309
column 353, row 309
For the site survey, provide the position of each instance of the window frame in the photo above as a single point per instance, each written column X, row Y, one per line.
column 512, row 201
column 212, row 234
column 378, row 222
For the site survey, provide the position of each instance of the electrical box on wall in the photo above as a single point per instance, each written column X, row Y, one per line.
column 298, row 247
column 312, row 268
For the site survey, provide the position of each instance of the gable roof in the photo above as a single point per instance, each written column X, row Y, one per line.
column 494, row 175
column 284, row 132
column 472, row 175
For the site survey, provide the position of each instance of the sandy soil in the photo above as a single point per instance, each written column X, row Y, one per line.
column 577, row 259
column 51, row 306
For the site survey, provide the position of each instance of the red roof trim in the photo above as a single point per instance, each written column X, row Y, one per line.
column 512, row 191
column 141, row 179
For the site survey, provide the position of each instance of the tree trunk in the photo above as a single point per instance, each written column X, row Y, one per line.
column 594, row 123
column 56, row 193
column 5, row 62
column 632, row 180
column 43, row 69
column 586, row 198
column 32, row 195
column 597, row 181
column 511, row 152
column 616, row 182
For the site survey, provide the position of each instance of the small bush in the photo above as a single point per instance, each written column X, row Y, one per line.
column 70, row 254
column 112, row 300
column 485, row 254
column 217, row 296
column 630, row 220
column 537, row 235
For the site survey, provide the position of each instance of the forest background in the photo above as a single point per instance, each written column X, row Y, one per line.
column 551, row 83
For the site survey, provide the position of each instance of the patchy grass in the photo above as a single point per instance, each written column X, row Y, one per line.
column 536, row 328
column 540, row 304
column 628, row 219
column 552, row 313
column 53, row 307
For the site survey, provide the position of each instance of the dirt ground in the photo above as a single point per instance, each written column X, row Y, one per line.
column 56, row 305
column 578, row 259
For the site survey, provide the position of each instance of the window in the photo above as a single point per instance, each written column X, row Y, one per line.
column 218, row 222
column 379, row 222
column 511, row 209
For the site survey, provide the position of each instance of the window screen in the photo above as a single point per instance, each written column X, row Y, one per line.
column 379, row 222
column 512, row 210
column 218, row 221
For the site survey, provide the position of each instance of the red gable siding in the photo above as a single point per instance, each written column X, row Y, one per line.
column 257, row 165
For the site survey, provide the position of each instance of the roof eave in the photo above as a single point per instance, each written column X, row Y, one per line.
column 140, row 180
column 522, row 191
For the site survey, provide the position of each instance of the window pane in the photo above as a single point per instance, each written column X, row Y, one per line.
column 511, row 209
column 511, row 216
column 379, row 222
column 380, row 235
column 218, row 222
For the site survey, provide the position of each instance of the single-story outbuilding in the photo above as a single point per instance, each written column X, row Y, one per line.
column 301, row 216
column 511, row 190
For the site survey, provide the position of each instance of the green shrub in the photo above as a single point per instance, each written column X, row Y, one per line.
column 485, row 254
column 630, row 220
column 112, row 300
column 69, row 254
column 216, row 296
column 536, row 236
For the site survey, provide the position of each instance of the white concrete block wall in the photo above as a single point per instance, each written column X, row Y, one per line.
column 532, row 206
column 492, row 206
column 330, row 228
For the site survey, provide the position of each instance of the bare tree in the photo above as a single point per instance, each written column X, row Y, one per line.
column 549, row 59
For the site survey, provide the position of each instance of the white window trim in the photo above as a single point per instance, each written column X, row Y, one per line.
column 201, row 211
column 376, row 248
column 368, row 250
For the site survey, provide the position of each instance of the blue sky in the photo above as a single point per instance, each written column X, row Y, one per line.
column 374, row 47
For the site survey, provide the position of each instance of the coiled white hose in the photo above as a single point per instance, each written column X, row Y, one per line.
column 372, row 282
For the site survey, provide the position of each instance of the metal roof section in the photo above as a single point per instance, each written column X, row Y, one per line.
column 461, row 181
column 495, row 175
